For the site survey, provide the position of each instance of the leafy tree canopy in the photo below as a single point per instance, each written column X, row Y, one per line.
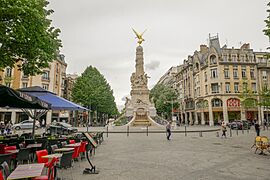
column 26, row 34
column 163, row 97
column 91, row 89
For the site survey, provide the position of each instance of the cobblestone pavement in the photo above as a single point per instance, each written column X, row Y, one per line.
column 189, row 158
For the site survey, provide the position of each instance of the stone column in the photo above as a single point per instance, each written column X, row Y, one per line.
column 190, row 118
column 13, row 117
column 243, row 114
column 211, row 120
column 182, row 118
column 186, row 118
column 49, row 117
column 202, row 116
column 196, row 118
column 260, row 115
column 225, row 112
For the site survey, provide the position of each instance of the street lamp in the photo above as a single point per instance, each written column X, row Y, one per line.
column 89, row 116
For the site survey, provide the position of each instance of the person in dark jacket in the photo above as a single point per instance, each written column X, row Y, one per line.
column 257, row 128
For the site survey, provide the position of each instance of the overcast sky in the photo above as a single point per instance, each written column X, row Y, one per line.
column 98, row 33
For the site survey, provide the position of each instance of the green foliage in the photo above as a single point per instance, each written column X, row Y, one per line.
column 121, row 121
column 265, row 97
column 26, row 34
column 163, row 97
column 267, row 21
column 248, row 99
column 92, row 90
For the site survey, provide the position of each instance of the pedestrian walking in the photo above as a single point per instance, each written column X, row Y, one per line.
column 8, row 127
column 2, row 127
column 257, row 127
column 168, row 129
column 223, row 129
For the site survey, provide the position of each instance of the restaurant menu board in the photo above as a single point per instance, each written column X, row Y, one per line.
column 90, row 139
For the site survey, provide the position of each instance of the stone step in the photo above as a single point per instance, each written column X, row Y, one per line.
column 143, row 122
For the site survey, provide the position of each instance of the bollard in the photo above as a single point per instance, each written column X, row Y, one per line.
column 242, row 130
column 107, row 131
column 237, row 131
column 230, row 132
column 185, row 130
column 147, row 130
column 217, row 134
column 200, row 133
column 127, row 130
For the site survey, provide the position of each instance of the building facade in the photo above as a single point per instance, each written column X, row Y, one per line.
column 211, row 84
column 52, row 79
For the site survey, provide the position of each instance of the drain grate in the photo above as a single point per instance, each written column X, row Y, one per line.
column 217, row 143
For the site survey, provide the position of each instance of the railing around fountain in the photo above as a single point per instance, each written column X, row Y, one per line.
column 160, row 120
column 123, row 120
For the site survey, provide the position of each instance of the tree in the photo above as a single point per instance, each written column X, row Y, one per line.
column 265, row 99
column 27, row 35
column 267, row 21
column 92, row 90
column 248, row 99
column 163, row 98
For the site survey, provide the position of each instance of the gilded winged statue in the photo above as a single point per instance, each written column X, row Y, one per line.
column 139, row 36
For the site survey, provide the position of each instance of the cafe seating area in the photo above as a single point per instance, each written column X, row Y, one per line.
column 44, row 157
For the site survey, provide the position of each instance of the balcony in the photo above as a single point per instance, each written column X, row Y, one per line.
column 47, row 79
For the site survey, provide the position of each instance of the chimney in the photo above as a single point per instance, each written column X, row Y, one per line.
column 203, row 48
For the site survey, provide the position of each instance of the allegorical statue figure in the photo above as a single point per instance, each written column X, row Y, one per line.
column 139, row 36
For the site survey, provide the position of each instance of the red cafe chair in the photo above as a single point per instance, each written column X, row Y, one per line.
column 51, row 171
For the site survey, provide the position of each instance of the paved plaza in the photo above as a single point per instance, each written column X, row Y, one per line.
column 138, row 156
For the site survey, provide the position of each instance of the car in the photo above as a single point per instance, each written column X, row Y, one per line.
column 60, row 128
column 244, row 124
column 26, row 124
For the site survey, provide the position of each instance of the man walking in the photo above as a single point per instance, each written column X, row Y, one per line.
column 257, row 128
column 168, row 129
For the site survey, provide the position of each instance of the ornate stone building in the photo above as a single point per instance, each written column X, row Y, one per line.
column 52, row 79
column 210, row 83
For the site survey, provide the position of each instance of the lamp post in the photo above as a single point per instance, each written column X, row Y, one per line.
column 89, row 116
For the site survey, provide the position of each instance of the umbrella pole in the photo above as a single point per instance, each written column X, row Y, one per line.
column 34, row 123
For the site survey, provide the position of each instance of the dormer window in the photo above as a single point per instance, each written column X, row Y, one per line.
column 213, row 59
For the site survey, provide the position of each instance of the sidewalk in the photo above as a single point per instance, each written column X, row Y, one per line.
column 189, row 158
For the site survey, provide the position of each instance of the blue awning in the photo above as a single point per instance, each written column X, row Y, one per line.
column 57, row 103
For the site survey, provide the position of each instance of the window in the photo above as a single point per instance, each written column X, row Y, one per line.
column 234, row 58
column 235, row 72
column 245, row 86
column 213, row 59
column 214, row 88
column 46, row 75
column 244, row 72
column 8, row 72
column 225, row 58
column 252, row 74
column 264, row 75
column 205, row 76
column 206, row 90
column 254, row 88
column 56, row 79
column 236, row 87
column 214, row 73
column 226, row 73
column 227, row 87
column 242, row 58
column 24, row 85
column 25, row 76
column 45, row 86
column 216, row 103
